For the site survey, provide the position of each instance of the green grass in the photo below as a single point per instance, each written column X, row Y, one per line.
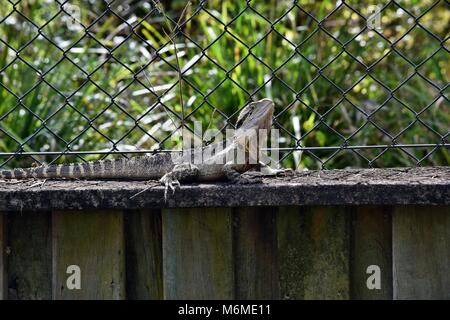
column 219, row 81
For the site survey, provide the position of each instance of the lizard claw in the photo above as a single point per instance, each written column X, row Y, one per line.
column 268, row 171
column 285, row 173
column 249, row 177
column 183, row 172
column 169, row 182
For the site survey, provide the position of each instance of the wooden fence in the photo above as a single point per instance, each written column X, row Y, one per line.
column 311, row 251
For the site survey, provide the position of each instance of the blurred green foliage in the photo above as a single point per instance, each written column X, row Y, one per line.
column 109, row 81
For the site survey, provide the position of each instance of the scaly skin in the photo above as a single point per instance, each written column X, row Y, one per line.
column 169, row 168
column 136, row 168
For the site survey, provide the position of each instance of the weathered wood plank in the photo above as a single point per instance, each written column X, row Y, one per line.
column 421, row 252
column 256, row 268
column 144, row 254
column 93, row 241
column 30, row 258
column 290, row 234
column 371, row 246
column 197, row 251
column 313, row 252
column 3, row 264
column 428, row 186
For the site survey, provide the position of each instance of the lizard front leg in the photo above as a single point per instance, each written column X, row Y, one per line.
column 240, row 178
column 269, row 171
column 180, row 172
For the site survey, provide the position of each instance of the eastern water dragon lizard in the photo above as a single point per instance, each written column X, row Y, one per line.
column 171, row 168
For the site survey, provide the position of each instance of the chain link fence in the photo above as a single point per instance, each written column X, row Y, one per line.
column 355, row 85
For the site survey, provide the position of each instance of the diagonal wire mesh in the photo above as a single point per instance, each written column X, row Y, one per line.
column 355, row 85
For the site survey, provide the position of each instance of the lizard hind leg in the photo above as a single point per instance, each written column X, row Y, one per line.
column 183, row 171
column 171, row 182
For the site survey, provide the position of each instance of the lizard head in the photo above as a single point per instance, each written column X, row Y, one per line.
column 257, row 115
column 253, row 118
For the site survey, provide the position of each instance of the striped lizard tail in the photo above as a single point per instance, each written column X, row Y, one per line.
column 96, row 169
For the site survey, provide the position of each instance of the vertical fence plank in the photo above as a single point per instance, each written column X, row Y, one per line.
column 197, row 253
column 94, row 241
column 371, row 245
column 30, row 258
column 256, row 268
column 313, row 246
column 290, row 234
column 3, row 265
column 144, row 254
column 421, row 252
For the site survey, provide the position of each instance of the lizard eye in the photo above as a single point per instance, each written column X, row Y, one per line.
column 244, row 115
